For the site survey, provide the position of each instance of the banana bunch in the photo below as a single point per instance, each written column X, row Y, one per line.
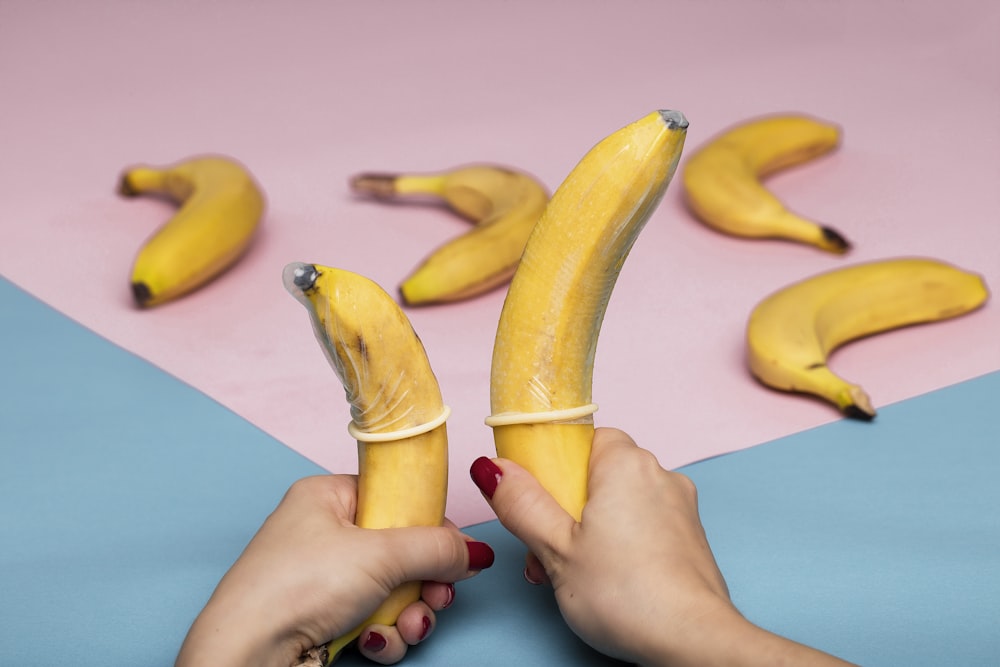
column 543, row 356
column 221, row 207
column 397, row 414
column 723, row 187
column 503, row 203
column 791, row 333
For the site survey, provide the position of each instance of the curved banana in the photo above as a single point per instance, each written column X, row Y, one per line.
column 722, row 179
column 504, row 203
column 791, row 333
column 543, row 357
column 396, row 409
column 220, row 209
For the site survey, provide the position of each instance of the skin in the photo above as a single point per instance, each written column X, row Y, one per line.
column 668, row 604
column 635, row 578
column 279, row 598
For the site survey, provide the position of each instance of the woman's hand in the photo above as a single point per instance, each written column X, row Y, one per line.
column 635, row 578
column 310, row 575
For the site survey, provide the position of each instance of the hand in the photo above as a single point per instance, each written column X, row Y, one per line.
column 310, row 575
column 636, row 578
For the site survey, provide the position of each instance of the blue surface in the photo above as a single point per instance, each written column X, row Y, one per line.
column 127, row 494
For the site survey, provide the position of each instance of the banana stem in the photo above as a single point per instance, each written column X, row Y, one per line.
column 391, row 186
column 142, row 180
column 380, row 186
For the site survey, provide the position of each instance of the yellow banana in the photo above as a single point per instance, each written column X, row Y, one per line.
column 543, row 357
column 722, row 179
column 504, row 203
column 220, row 209
column 791, row 333
column 396, row 409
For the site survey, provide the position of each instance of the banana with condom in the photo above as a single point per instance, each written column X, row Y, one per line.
column 723, row 179
column 221, row 207
column 397, row 413
column 504, row 203
column 543, row 356
column 791, row 333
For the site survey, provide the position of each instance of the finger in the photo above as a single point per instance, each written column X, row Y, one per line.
column 416, row 622
column 608, row 441
column 433, row 554
column 337, row 493
column 437, row 595
column 616, row 459
column 534, row 571
column 382, row 644
column 523, row 506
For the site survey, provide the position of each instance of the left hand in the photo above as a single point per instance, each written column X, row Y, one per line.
column 310, row 575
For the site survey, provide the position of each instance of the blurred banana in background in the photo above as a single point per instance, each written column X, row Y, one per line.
column 543, row 356
column 221, row 207
column 791, row 333
column 398, row 416
column 504, row 203
column 722, row 179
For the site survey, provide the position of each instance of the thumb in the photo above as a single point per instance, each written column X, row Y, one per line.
column 523, row 506
column 439, row 553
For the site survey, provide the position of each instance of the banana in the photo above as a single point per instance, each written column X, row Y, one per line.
column 504, row 203
column 398, row 416
column 543, row 356
column 221, row 207
column 791, row 333
column 722, row 180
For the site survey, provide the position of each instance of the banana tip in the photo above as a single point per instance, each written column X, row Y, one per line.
column 142, row 294
column 855, row 412
column 675, row 120
column 834, row 240
column 297, row 277
column 403, row 299
column 857, row 405
column 125, row 187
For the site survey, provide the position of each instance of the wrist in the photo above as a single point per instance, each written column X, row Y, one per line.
column 725, row 638
column 717, row 635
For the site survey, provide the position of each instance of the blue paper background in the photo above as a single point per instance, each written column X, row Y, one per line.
column 126, row 495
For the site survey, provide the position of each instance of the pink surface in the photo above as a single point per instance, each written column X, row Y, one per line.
column 308, row 93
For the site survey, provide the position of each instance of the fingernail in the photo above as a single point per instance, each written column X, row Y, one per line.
column 527, row 577
column 486, row 475
column 425, row 629
column 480, row 555
column 451, row 596
column 374, row 642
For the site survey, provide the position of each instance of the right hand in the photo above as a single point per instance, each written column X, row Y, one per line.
column 637, row 567
column 635, row 578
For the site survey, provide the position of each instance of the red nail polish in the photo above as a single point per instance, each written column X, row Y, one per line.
column 374, row 642
column 425, row 629
column 486, row 475
column 480, row 555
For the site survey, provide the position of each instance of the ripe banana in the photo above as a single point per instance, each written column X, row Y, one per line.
column 396, row 409
column 791, row 333
column 220, row 209
column 722, row 180
column 504, row 203
column 543, row 356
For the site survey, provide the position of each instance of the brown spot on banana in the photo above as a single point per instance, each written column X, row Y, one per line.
column 398, row 416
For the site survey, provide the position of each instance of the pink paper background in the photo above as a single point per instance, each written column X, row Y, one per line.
column 308, row 93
